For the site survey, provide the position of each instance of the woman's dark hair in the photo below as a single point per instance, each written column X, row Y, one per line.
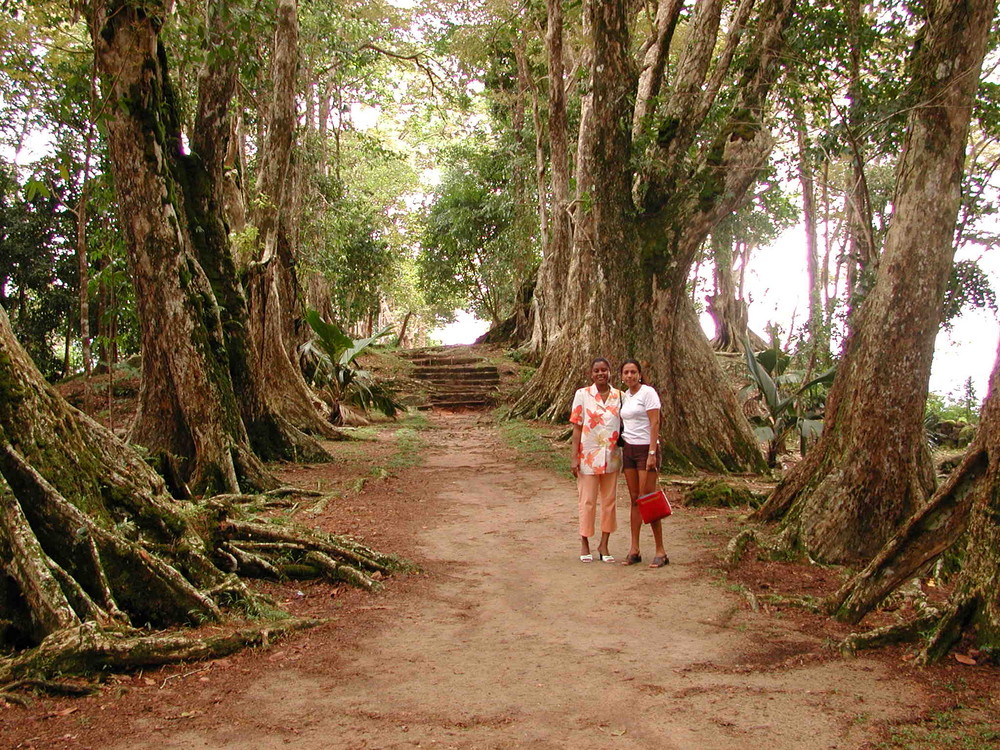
column 637, row 366
column 630, row 362
column 600, row 359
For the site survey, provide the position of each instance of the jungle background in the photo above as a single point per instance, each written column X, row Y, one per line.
column 228, row 232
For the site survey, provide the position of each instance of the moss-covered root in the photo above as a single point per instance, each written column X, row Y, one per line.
column 899, row 633
column 290, row 551
column 737, row 547
column 716, row 493
column 87, row 648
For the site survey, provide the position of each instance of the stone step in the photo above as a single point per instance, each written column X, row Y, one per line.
column 447, row 361
column 420, row 370
column 463, row 393
column 444, row 381
column 464, row 403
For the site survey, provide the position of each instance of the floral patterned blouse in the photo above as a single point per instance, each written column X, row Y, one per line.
column 599, row 451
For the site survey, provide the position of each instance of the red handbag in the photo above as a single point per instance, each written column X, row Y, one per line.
column 654, row 506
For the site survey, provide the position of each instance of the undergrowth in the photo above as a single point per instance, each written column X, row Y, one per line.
column 535, row 445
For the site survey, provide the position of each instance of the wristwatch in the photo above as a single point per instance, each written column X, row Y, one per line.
column 652, row 453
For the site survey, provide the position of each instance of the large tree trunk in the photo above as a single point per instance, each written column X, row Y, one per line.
column 272, row 282
column 854, row 489
column 730, row 312
column 548, row 296
column 861, row 251
column 819, row 337
column 624, row 293
column 965, row 508
column 271, row 435
column 93, row 549
column 188, row 412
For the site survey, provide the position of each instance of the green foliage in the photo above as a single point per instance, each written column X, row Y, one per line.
column 949, row 420
column 788, row 402
column 333, row 354
column 38, row 276
column 961, row 406
column 968, row 287
column 474, row 251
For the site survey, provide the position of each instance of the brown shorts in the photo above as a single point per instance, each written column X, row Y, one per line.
column 634, row 457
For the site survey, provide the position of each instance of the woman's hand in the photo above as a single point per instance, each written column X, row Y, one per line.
column 574, row 467
column 651, row 462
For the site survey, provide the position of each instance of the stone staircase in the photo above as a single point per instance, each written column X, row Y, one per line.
column 454, row 377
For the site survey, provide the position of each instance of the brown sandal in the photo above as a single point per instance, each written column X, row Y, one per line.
column 632, row 559
column 659, row 561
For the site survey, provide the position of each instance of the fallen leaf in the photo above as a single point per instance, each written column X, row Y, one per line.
column 617, row 732
column 967, row 660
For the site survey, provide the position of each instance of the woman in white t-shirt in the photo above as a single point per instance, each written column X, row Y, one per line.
column 640, row 413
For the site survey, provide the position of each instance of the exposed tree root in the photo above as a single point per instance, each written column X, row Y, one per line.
column 738, row 545
column 98, row 561
column 80, row 587
column 87, row 648
column 803, row 602
column 262, row 538
column 899, row 633
column 49, row 687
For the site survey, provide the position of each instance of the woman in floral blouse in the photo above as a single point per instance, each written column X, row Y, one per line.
column 596, row 459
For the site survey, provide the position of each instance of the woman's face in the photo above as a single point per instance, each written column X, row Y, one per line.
column 631, row 375
column 601, row 374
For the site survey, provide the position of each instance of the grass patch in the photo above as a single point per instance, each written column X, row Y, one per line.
column 534, row 445
column 957, row 728
column 408, row 452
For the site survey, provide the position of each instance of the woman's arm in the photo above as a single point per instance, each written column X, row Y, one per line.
column 654, row 436
column 574, row 459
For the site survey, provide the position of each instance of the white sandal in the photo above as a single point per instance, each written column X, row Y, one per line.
column 606, row 558
column 587, row 558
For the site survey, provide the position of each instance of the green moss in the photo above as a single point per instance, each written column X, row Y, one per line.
column 674, row 462
column 300, row 572
column 11, row 387
column 716, row 493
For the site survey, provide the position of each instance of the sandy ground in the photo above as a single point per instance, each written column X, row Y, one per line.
column 508, row 641
column 505, row 640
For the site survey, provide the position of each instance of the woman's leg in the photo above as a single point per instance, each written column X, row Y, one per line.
column 608, row 484
column 587, row 487
column 635, row 520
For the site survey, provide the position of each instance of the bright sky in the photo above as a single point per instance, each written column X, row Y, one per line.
column 776, row 284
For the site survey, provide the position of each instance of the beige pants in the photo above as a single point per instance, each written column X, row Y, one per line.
column 591, row 488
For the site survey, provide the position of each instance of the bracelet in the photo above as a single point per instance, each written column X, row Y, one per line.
column 652, row 453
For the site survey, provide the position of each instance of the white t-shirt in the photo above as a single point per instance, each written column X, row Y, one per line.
column 634, row 416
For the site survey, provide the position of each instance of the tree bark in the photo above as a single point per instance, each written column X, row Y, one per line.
column 819, row 340
column 729, row 311
column 274, row 297
column 965, row 509
column 854, row 489
column 271, row 436
column 188, row 413
column 548, row 297
column 861, row 250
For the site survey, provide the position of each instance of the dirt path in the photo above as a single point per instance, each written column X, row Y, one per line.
column 511, row 642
